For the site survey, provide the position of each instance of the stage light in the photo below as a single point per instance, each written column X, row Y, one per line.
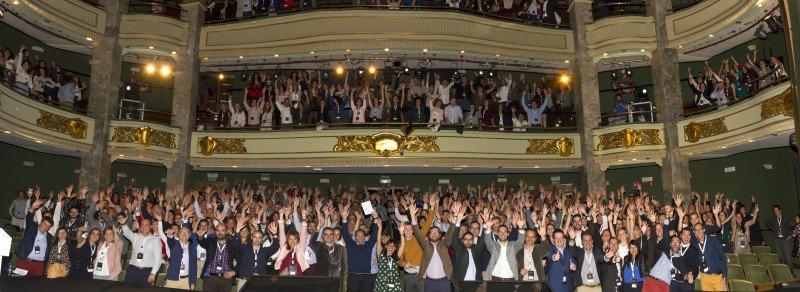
column 629, row 73
column 339, row 69
column 150, row 68
column 360, row 71
column 397, row 66
column 221, row 76
column 326, row 75
column 564, row 78
column 165, row 70
column 371, row 69
column 614, row 76
column 761, row 33
column 406, row 70
column 480, row 72
column 774, row 23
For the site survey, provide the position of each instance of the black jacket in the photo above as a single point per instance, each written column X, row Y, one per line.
column 246, row 264
column 209, row 243
column 329, row 263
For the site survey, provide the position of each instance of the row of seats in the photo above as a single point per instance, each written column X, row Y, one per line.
column 746, row 259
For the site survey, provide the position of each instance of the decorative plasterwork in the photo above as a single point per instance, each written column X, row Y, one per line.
column 696, row 131
column 563, row 146
column 144, row 136
column 386, row 144
column 628, row 138
column 74, row 127
column 781, row 104
column 209, row 145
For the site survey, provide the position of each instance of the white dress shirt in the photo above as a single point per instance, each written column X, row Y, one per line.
column 502, row 269
column 149, row 247
column 470, row 276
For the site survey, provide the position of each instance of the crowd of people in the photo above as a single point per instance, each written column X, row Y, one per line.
column 393, row 239
column 478, row 101
column 530, row 11
column 47, row 83
column 734, row 81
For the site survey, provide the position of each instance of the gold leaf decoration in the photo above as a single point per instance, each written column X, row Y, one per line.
column 144, row 136
column 74, row 127
column 696, row 131
column 563, row 146
column 781, row 104
column 386, row 144
column 629, row 138
column 209, row 145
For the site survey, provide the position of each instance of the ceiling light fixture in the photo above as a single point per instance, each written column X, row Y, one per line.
column 150, row 68
column 89, row 39
column 165, row 71
column 151, row 47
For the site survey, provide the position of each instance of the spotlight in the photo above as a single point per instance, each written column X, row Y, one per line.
column 761, row 33
column 614, row 76
column 564, row 78
column 406, row 70
column 339, row 69
column 165, row 70
column 244, row 76
column 642, row 95
column 371, row 69
column 150, row 68
column 628, row 73
column 774, row 23
column 221, row 76
column 360, row 71
column 397, row 63
column 480, row 72
column 492, row 74
column 326, row 75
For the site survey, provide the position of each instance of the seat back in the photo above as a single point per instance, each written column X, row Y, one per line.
column 740, row 285
column 161, row 280
column 767, row 259
column 736, row 272
column 780, row 274
column 759, row 249
column 732, row 258
column 747, row 259
column 757, row 274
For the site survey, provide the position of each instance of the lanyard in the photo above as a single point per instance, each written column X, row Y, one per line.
column 255, row 253
column 683, row 251
column 703, row 246
column 219, row 250
column 633, row 273
column 92, row 248
column 60, row 245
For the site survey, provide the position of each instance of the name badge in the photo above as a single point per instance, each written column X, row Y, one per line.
column 634, row 285
column 530, row 278
column 202, row 256
column 36, row 250
column 293, row 271
column 99, row 266
column 564, row 279
column 90, row 269
column 780, row 235
column 590, row 278
column 140, row 257
column 183, row 267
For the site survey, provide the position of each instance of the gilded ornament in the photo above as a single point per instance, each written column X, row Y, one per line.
column 145, row 136
column 629, row 138
column 209, row 145
column 782, row 104
column 695, row 131
column 563, row 146
column 74, row 127
column 385, row 144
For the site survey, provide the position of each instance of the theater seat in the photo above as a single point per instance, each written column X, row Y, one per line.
column 736, row 272
column 740, row 285
column 732, row 258
column 767, row 259
column 759, row 249
column 747, row 259
column 161, row 279
column 759, row 276
column 780, row 274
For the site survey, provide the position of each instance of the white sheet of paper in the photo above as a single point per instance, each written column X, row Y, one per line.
column 367, row 207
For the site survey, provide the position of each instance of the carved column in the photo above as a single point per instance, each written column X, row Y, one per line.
column 184, row 100
column 667, row 92
column 587, row 96
column 790, row 12
column 105, row 84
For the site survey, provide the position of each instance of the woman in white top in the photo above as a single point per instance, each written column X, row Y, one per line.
column 41, row 83
column 285, row 110
column 238, row 117
column 24, row 83
column 436, row 112
column 359, row 110
column 107, row 261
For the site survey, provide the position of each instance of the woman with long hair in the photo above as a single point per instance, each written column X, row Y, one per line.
column 633, row 270
column 57, row 258
column 82, row 259
column 388, row 279
column 741, row 231
column 291, row 259
column 107, row 262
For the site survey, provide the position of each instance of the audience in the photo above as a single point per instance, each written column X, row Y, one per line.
column 401, row 243
column 46, row 84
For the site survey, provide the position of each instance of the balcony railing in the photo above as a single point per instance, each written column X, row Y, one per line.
column 631, row 117
column 517, row 13
column 313, row 125
column 162, row 8
column 693, row 110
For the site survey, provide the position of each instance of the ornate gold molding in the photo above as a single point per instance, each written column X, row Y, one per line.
column 563, row 146
column 74, row 127
column 629, row 138
column 696, row 131
column 386, row 144
column 209, row 145
column 144, row 136
column 781, row 104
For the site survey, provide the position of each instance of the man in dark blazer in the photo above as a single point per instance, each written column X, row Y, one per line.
column 781, row 228
column 685, row 265
column 33, row 246
column 182, row 260
column 467, row 253
column 537, row 252
column 218, row 271
column 253, row 257
column 331, row 257
column 434, row 242
column 561, row 267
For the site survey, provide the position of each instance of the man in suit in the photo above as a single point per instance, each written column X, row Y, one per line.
column 684, row 265
column 31, row 249
column 608, row 267
column 503, row 263
column 436, row 267
column 713, row 264
column 253, row 257
column 782, row 228
column 182, row 268
column 331, row 257
column 588, row 274
column 467, row 255
column 218, row 271
column 560, row 264
column 531, row 255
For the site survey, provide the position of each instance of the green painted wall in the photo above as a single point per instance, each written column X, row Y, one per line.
column 124, row 172
column 625, row 176
column 159, row 97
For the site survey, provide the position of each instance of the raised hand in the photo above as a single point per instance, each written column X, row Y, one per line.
column 69, row 190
